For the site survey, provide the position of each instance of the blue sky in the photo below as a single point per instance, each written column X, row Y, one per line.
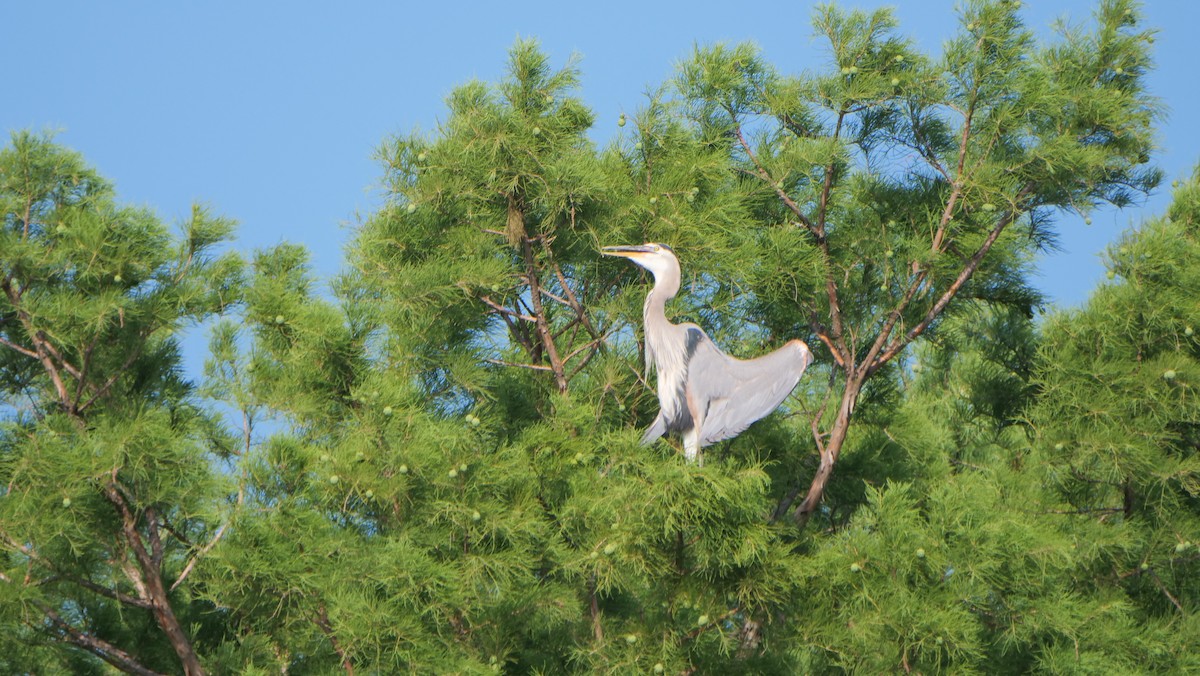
column 270, row 112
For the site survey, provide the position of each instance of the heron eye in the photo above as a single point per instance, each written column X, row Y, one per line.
column 657, row 247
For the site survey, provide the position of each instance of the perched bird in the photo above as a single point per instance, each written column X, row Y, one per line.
column 703, row 393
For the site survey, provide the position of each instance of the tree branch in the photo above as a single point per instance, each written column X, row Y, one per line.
column 23, row 350
column 487, row 300
column 151, row 577
column 98, row 647
column 543, row 325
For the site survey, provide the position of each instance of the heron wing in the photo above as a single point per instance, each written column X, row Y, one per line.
column 735, row 392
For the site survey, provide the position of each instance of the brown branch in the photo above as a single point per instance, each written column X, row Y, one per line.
column 55, row 378
column 28, row 213
column 594, row 610
column 924, row 148
column 187, row 569
column 66, row 366
column 893, row 317
column 84, row 367
column 39, row 342
column 818, row 439
column 543, row 325
column 23, row 350
column 156, row 544
column 831, row 290
column 151, row 577
column 322, row 622
column 948, row 213
column 580, row 312
column 555, row 297
column 516, row 331
column 487, row 300
column 98, row 647
column 1163, row 588
column 829, row 455
column 594, row 346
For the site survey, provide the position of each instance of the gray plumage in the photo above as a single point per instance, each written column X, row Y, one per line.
column 704, row 394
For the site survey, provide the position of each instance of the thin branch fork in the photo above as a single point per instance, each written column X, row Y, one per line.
column 543, row 326
column 53, row 360
column 572, row 299
column 937, row 246
column 84, row 368
column 42, row 351
column 103, row 389
column 507, row 312
column 518, row 332
column 187, row 569
column 898, row 343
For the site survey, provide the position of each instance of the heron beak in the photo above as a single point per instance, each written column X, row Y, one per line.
column 626, row 251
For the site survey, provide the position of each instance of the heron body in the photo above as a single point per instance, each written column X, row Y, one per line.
column 704, row 394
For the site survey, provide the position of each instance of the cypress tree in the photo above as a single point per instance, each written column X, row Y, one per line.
column 109, row 467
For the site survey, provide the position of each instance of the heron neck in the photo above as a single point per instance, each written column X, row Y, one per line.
column 664, row 290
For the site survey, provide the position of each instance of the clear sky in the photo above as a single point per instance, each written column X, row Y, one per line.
column 269, row 112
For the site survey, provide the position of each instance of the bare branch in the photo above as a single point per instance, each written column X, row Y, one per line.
column 948, row 295
column 151, row 577
column 556, row 298
column 187, row 569
column 543, row 325
column 23, row 350
column 535, row 367
column 1163, row 588
column 66, row 366
column 322, row 622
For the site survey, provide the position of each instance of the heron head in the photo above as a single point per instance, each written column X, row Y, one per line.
column 657, row 258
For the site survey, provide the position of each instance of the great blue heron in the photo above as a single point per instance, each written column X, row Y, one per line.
column 703, row 393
